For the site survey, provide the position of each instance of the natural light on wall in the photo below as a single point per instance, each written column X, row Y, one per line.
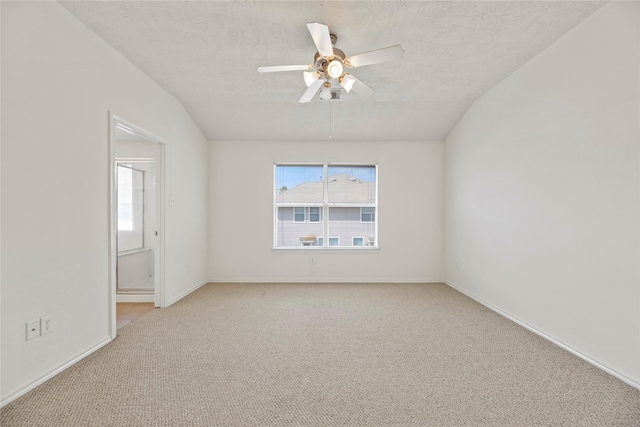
column 305, row 196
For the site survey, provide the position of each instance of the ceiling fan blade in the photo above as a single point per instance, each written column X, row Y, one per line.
column 311, row 91
column 391, row 53
column 276, row 68
column 321, row 37
column 362, row 89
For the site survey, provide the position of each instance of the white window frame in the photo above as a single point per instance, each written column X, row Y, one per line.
column 353, row 242
column 334, row 246
column 324, row 209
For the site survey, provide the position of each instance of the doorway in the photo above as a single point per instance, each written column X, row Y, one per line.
column 137, row 217
column 136, row 225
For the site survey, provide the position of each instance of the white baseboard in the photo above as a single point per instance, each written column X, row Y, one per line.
column 145, row 284
column 52, row 374
column 571, row 350
column 119, row 298
column 185, row 293
column 135, row 298
column 320, row 280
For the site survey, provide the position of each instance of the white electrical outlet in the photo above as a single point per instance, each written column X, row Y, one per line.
column 46, row 325
column 312, row 261
column 33, row 329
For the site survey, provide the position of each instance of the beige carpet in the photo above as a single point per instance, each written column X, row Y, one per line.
column 328, row 355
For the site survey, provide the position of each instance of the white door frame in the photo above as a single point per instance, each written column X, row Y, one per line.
column 159, row 291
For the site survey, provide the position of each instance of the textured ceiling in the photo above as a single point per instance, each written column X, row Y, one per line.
column 206, row 54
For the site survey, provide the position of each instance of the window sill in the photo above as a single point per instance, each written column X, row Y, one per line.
column 347, row 249
column 133, row 251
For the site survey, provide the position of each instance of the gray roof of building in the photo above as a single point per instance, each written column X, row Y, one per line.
column 343, row 188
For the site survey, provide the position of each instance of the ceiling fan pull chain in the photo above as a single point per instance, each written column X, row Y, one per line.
column 330, row 124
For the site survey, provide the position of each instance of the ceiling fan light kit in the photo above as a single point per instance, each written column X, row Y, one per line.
column 329, row 65
column 334, row 69
column 347, row 81
column 325, row 93
column 310, row 77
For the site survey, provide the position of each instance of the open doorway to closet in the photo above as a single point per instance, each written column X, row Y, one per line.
column 137, row 243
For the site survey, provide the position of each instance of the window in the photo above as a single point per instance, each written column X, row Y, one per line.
column 130, row 208
column 314, row 214
column 327, row 204
column 367, row 214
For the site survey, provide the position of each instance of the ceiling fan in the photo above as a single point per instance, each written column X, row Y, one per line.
column 329, row 63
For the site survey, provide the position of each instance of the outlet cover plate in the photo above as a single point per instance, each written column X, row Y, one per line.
column 33, row 329
column 46, row 325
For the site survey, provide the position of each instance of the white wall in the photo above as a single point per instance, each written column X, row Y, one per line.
column 241, row 213
column 135, row 271
column 542, row 193
column 59, row 80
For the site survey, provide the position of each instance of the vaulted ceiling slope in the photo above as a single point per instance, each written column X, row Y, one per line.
column 206, row 54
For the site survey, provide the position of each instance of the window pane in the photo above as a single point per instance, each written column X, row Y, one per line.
column 314, row 214
column 299, row 184
column 130, row 208
column 344, row 222
column 351, row 190
column 358, row 241
column 125, row 199
column 352, row 184
column 334, row 241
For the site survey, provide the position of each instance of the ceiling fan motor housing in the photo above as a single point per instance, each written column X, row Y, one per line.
column 321, row 62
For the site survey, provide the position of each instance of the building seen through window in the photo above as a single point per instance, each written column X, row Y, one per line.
column 325, row 206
